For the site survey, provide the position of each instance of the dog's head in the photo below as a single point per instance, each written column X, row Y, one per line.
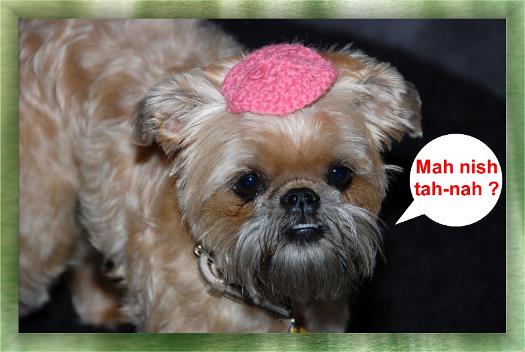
column 287, row 205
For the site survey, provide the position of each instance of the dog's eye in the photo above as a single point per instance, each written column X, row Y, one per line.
column 339, row 176
column 248, row 186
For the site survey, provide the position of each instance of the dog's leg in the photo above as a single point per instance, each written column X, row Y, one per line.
column 49, row 179
column 326, row 316
column 96, row 297
column 48, row 227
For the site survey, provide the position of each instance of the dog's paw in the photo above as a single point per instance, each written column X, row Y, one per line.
column 96, row 298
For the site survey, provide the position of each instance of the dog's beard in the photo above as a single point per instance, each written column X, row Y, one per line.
column 265, row 263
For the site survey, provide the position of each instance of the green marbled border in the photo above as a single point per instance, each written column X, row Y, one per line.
column 11, row 11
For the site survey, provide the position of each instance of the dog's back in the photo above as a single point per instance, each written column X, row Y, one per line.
column 80, row 82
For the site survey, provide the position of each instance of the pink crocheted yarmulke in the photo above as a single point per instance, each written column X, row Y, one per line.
column 277, row 80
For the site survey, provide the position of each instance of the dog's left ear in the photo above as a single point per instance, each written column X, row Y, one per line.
column 390, row 105
column 178, row 103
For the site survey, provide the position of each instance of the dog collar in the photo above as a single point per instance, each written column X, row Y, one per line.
column 217, row 286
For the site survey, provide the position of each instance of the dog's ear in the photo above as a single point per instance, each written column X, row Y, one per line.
column 178, row 102
column 390, row 105
column 171, row 105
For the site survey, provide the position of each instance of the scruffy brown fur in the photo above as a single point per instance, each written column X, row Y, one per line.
column 127, row 153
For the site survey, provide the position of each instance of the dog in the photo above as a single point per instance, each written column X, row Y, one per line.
column 177, row 214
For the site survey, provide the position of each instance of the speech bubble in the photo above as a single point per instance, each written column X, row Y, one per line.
column 455, row 180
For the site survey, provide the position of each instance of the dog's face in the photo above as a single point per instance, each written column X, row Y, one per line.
column 287, row 205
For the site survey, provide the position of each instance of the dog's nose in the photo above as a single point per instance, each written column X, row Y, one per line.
column 302, row 200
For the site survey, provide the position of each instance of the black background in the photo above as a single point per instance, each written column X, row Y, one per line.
column 434, row 278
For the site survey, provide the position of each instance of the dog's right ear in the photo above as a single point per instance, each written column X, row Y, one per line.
column 174, row 104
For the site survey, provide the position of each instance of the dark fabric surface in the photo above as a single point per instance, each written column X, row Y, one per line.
column 433, row 278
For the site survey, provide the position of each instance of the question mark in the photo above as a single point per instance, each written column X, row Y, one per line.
column 494, row 186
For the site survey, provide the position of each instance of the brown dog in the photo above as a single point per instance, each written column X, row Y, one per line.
column 126, row 150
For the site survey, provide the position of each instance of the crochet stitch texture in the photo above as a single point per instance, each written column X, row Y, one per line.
column 277, row 80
